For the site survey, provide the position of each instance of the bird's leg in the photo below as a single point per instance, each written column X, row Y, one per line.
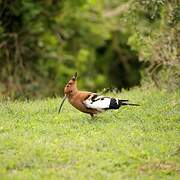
column 92, row 115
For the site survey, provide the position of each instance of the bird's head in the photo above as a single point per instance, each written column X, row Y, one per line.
column 71, row 87
column 69, row 90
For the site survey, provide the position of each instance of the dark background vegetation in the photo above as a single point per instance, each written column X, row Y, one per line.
column 110, row 43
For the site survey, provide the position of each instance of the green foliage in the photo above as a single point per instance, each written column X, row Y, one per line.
column 131, row 143
column 156, row 38
column 42, row 43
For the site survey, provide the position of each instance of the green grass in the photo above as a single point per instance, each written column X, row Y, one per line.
column 131, row 143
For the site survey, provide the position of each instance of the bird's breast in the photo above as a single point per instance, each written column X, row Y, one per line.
column 77, row 104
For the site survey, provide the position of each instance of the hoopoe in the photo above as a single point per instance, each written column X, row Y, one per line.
column 88, row 102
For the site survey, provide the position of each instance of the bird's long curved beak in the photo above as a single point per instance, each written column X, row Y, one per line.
column 62, row 102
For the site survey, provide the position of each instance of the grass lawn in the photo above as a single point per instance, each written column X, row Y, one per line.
column 129, row 143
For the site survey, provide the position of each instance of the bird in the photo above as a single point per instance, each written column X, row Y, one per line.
column 89, row 102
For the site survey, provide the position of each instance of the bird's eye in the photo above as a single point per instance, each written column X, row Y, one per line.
column 67, row 86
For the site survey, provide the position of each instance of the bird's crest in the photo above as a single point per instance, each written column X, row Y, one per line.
column 74, row 76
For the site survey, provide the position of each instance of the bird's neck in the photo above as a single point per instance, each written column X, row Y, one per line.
column 73, row 93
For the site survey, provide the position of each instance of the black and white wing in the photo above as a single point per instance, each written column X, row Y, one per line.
column 104, row 103
column 100, row 102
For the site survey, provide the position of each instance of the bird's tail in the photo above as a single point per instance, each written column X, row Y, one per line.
column 125, row 102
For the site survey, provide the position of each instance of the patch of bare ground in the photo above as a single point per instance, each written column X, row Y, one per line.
column 159, row 166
